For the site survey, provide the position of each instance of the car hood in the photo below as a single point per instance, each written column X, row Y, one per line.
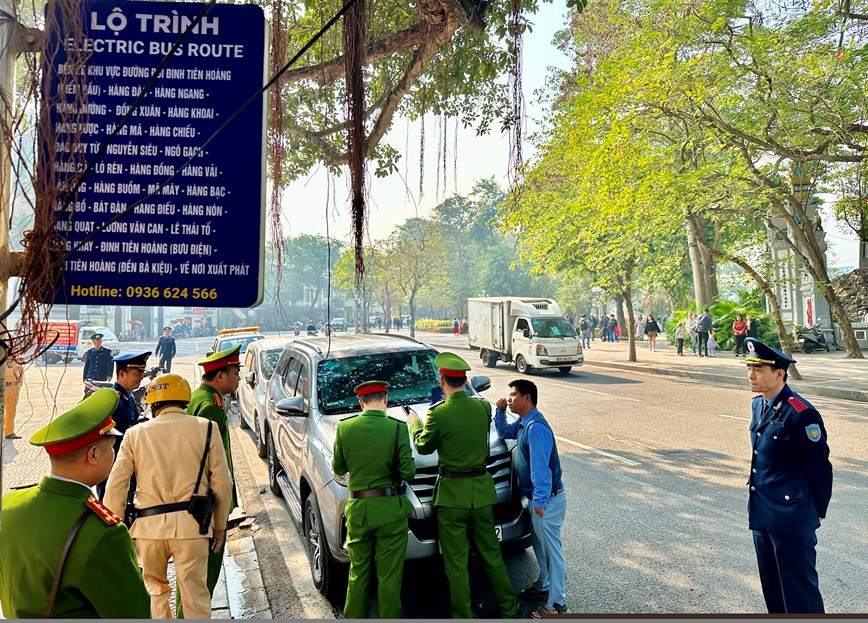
column 328, row 426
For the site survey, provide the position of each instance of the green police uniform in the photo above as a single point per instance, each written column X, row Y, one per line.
column 458, row 430
column 368, row 447
column 207, row 402
column 100, row 578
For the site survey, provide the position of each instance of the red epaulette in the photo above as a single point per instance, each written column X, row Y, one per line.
column 102, row 511
column 218, row 400
column 797, row 404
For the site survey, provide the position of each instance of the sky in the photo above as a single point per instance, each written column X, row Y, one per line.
column 311, row 207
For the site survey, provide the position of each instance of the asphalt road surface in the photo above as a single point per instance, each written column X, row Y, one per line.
column 655, row 471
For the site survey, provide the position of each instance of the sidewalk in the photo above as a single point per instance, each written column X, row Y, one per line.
column 825, row 374
column 49, row 391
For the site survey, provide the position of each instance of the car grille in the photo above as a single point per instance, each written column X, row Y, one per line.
column 498, row 466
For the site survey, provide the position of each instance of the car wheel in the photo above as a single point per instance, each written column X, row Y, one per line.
column 489, row 359
column 521, row 365
column 261, row 449
column 272, row 465
column 325, row 572
column 565, row 369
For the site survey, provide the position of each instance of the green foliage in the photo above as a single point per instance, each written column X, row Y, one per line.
column 434, row 326
column 723, row 315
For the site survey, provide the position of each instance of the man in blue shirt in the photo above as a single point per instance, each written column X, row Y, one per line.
column 540, row 480
column 166, row 349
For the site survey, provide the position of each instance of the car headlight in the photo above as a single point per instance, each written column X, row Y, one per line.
column 541, row 351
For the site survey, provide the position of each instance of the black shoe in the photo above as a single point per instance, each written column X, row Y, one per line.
column 532, row 592
column 14, row 436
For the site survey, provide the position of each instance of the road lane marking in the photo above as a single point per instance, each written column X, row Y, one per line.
column 733, row 417
column 597, row 451
column 292, row 549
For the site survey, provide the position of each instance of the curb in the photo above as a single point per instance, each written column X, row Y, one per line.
column 801, row 388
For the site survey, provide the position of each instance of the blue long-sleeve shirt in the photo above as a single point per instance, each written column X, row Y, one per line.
column 537, row 461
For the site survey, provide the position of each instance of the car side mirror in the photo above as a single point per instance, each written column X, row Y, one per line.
column 209, row 353
column 290, row 407
column 251, row 378
column 525, row 332
column 480, row 383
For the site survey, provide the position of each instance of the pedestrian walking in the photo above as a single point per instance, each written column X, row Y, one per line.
column 613, row 328
column 222, row 374
column 130, row 372
column 691, row 330
column 594, row 324
column 585, row 331
column 457, row 429
column 62, row 553
column 640, row 327
column 375, row 450
column 166, row 349
column 712, row 342
column 97, row 361
column 739, row 330
column 541, row 481
column 703, row 326
column 680, row 333
column 165, row 491
column 14, row 375
column 455, row 327
column 652, row 329
column 752, row 326
column 790, row 484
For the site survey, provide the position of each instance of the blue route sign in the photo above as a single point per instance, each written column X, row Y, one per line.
column 198, row 240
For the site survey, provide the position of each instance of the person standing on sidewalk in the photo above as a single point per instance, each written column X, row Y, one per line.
column 752, row 326
column 166, row 349
column 739, row 330
column 222, row 376
column 790, row 484
column 703, row 326
column 457, row 428
column 164, row 528
column 97, row 361
column 594, row 323
column 375, row 450
column 585, row 331
column 99, row 577
column 541, row 481
column 691, row 330
column 14, row 378
column 680, row 333
column 652, row 329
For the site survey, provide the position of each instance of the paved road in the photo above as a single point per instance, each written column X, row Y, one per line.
column 655, row 470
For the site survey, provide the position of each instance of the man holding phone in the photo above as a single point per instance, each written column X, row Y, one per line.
column 457, row 429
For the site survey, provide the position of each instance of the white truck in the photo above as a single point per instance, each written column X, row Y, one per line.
column 528, row 331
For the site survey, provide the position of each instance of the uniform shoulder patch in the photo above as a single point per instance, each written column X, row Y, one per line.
column 102, row 511
column 797, row 404
column 813, row 431
column 218, row 400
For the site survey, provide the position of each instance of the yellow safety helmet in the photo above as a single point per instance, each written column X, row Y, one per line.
column 168, row 387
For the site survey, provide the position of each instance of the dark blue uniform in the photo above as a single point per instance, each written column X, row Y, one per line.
column 127, row 413
column 97, row 364
column 790, row 488
column 166, row 351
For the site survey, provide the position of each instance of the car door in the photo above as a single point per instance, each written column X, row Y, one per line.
column 291, row 430
column 246, row 389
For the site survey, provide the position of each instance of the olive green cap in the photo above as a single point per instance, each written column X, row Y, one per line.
column 222, row 358
column 451, row 364
column 83, row 424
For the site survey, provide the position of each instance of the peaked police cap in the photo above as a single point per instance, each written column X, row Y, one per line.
column 85, row 423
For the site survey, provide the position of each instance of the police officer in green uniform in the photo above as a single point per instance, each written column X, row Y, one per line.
column 99, row 577
column 222, row 374
column 458, row 429
column 375, row 450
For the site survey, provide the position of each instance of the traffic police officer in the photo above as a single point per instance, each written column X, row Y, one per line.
column 222, row 374
column 99, row 577
column 97, row 361
column 375, row 450
column 458, row 428
column 130, row 372
column 166, row 349
column 790, row 484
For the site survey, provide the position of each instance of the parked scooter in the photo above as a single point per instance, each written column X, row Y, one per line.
column 812, row 339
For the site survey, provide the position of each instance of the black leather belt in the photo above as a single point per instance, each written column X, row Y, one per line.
column 471, row 473
column 162, row 509
column 376, row 493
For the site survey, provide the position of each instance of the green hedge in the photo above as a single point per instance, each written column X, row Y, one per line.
column 434, row 326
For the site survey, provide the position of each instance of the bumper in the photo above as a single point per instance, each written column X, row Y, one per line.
column 554, row 363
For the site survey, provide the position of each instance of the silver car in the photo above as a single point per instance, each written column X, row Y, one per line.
column 310, row 391
column 259, row 362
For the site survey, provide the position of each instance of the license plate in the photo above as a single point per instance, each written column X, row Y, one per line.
column 498, row 530
column 567, row 358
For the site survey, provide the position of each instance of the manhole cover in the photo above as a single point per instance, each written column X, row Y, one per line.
column 815, row 379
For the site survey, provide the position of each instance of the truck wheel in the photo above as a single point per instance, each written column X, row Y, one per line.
column 521, row 365
column 565, row 369
column 50, row 358
column 273, row 466
column 489, row 359
column 326, row 573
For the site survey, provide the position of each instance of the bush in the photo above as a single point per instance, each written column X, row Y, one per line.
column 434, row 326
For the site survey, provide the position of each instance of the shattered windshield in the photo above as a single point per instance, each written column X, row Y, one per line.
column 411, row 375
column 552, row 327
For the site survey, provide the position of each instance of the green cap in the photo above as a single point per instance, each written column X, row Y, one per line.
column 222, row 359
column 83, row 424
column 451, row 364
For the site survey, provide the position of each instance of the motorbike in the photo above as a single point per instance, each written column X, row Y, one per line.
column 311, row 330
column 144, row 409
column 813, row 338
